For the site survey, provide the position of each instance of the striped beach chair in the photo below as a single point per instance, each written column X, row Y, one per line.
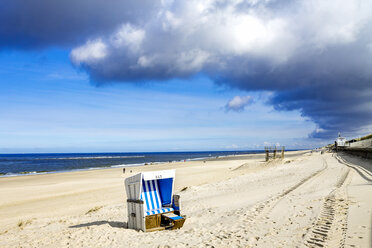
column 151, row 198
column 151, row 203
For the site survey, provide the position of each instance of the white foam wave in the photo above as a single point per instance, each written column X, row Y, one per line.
column 98, row 157
column 126, row 165
column 24, row 173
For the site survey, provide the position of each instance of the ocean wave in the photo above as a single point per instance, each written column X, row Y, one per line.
column 28, row 173
column 197, row 159
column 98, row 157
column 126, row 165
column 24, row 173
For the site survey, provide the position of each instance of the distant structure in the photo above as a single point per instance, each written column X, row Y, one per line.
column 358, row 146
column 340, row 142
column 274, row 151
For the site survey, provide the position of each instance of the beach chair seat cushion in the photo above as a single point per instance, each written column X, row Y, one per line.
column 176, row 217
column 176, row 221
column 158, row 211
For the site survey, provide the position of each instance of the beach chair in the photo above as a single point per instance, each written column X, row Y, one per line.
column 151, row 203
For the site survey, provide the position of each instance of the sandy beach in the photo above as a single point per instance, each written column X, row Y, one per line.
column 307, row 199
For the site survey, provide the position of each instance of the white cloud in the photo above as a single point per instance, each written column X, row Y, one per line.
column 232, row 146
column 144, row 61
column 271, row 144
column 333, row 22
column 186, row 37
column 192, row 60
column 169, row 21
column 238, row 103
column 89, row 52
column 125, row 40
column 128, row 36
column 296, row 49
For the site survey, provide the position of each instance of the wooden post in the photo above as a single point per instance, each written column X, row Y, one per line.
column 274, row 152
column 336, row 145
column 282, row 152
column 267, row 153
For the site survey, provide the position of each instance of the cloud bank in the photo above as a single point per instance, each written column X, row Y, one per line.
column 315, row 56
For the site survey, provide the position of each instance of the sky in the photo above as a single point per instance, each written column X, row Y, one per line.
column 141, row 76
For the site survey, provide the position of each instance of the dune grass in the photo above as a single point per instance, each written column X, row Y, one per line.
column 95, row 209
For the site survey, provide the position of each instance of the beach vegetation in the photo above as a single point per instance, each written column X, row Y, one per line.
column 21, row 224
column 95, row 209
column 369, row 136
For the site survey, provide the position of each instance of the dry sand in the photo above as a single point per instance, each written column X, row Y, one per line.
column 307, row 199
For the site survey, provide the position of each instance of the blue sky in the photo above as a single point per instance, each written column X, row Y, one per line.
column 49, row 106
column 139, row 75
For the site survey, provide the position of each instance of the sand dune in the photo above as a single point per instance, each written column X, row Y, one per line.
column 305, row 200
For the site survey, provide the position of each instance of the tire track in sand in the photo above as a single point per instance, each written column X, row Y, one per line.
column 265, row 208
column 262, row 209
column 329, row 230
column 258, row 214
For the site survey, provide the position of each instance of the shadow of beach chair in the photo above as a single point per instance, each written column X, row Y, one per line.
column 151, row 203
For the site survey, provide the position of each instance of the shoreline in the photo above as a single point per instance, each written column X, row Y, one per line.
column 31, row 173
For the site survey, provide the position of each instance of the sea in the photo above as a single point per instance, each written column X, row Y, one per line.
column 39, row 163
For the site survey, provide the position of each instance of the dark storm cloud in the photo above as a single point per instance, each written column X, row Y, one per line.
column 38, row 24
column 314, row 56
column 332, row 87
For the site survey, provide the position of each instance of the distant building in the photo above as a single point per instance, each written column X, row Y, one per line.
column 340, row 141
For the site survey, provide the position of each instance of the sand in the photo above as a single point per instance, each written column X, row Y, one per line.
column 307, row 199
